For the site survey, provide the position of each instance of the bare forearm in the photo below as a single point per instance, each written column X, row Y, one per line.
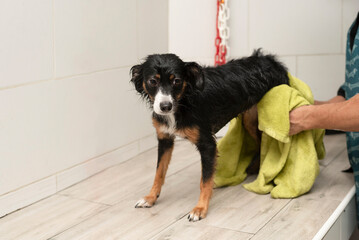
column 342, row 115
column 333, row 100
column 338, row 115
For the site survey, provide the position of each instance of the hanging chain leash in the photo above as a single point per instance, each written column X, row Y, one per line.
column 221, row 41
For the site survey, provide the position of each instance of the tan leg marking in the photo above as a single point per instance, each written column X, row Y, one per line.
column 150, row 199
column 201, row 209
column 250, row 122
column 159, row 178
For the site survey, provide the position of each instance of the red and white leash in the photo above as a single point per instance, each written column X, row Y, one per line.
column 221, row 41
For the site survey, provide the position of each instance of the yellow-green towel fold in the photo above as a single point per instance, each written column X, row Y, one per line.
column 289, row 164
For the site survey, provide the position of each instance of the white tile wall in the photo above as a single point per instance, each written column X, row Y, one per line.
column 192, row 28
column 290, row 62
column 55, row 125
column 290, row 27
column 26, row 46
column 324, row 74
column 95, row 165
column 152, row 23
column 80, row 114
column 238, row 23
column 94, row 35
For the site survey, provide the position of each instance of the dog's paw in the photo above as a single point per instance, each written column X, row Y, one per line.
column 197, row 214
column 145, row 203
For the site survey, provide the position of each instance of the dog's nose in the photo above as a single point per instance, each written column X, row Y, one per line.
column 166, row 106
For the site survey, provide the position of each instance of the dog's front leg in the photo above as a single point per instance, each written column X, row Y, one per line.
column 208, row 150
column 165, row 148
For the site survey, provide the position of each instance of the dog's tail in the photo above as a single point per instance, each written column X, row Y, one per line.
column 271, row 62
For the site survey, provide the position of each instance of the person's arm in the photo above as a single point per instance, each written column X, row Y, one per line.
column 333, row 100
column 342, row 115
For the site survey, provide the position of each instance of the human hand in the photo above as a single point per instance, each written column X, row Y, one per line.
column 298, row 119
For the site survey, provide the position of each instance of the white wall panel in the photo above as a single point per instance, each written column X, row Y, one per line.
column 52, row 126
column 94, row 35
column 290, row 27
column 290, row 62
column 152, row 24
column 238, row 24
column 192, row 28
column 26, row 45
column 324, row 74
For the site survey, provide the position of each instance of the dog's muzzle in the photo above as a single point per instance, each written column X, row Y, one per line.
column 163, row 103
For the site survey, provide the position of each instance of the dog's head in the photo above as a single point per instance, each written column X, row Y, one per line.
column 164, row 79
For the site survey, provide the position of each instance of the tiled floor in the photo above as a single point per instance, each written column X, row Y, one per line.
column 102, row 207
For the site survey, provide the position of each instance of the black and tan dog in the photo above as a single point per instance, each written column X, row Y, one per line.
column 194, row 102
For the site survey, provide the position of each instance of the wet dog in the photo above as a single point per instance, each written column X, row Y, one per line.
column 194, row 102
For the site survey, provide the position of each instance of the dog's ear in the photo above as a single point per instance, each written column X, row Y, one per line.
column 195, row 75
column 137, row 77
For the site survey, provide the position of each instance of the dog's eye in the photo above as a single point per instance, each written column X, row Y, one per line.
column 177, row 81
column 152, row 82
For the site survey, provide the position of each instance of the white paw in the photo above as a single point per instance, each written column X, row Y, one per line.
column 197, row 214
column 192, row 217
column 143, row 204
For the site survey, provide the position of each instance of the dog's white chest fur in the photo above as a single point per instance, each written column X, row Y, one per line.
column 171, row 125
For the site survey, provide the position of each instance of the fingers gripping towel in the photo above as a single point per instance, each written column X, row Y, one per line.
column 288, row 164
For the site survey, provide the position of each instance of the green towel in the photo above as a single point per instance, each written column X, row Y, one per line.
column 288, row 164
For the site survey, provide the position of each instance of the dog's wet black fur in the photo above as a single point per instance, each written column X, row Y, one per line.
column 203, row 99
